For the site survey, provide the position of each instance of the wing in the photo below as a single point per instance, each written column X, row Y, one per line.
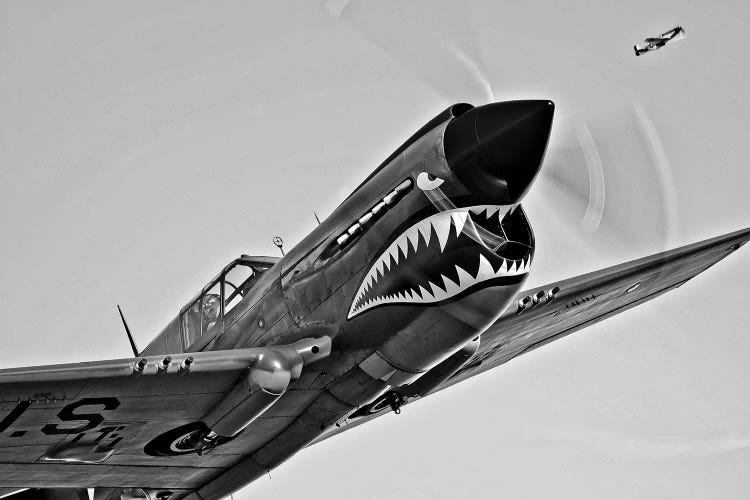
column 545, row 314
column 119, row 423
column 675, row 33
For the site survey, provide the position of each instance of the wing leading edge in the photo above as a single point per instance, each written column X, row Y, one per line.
column 116, row 423
column 545, row 314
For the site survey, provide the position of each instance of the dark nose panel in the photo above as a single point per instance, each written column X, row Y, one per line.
column 497, row 150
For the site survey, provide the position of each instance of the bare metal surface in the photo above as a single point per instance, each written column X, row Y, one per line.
column 582, row 301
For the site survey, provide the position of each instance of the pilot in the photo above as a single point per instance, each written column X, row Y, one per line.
column 210, row 309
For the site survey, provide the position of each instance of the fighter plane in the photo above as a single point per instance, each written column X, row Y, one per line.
column 655, row 43
column 413, row 284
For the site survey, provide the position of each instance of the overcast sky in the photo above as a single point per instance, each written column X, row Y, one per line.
column 144, row 145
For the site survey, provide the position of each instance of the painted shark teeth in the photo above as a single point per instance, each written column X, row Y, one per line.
column 417, row 237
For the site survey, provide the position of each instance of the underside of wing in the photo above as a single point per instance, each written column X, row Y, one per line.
column 548, row 313
column 131, row 422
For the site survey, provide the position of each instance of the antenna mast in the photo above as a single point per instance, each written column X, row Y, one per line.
column 127, row 330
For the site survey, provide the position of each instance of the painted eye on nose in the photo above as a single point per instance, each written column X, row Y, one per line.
column 428, row 182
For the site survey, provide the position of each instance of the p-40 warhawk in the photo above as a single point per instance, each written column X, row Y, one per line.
column 411, row 285
column 657, row 42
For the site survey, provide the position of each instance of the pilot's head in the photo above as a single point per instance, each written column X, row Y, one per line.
column 211, row 305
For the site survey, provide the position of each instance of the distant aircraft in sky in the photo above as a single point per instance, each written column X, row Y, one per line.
column 657, row 42
column 413, row 284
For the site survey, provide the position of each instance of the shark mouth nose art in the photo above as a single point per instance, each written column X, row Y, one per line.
column 495, row 151
column 447, row 255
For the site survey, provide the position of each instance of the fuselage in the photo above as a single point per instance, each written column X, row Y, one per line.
column 409, row 270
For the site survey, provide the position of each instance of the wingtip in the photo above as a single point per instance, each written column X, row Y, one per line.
column 736, row 238
column 745, row 233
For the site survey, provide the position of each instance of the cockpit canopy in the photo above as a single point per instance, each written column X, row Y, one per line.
column 209, row 312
